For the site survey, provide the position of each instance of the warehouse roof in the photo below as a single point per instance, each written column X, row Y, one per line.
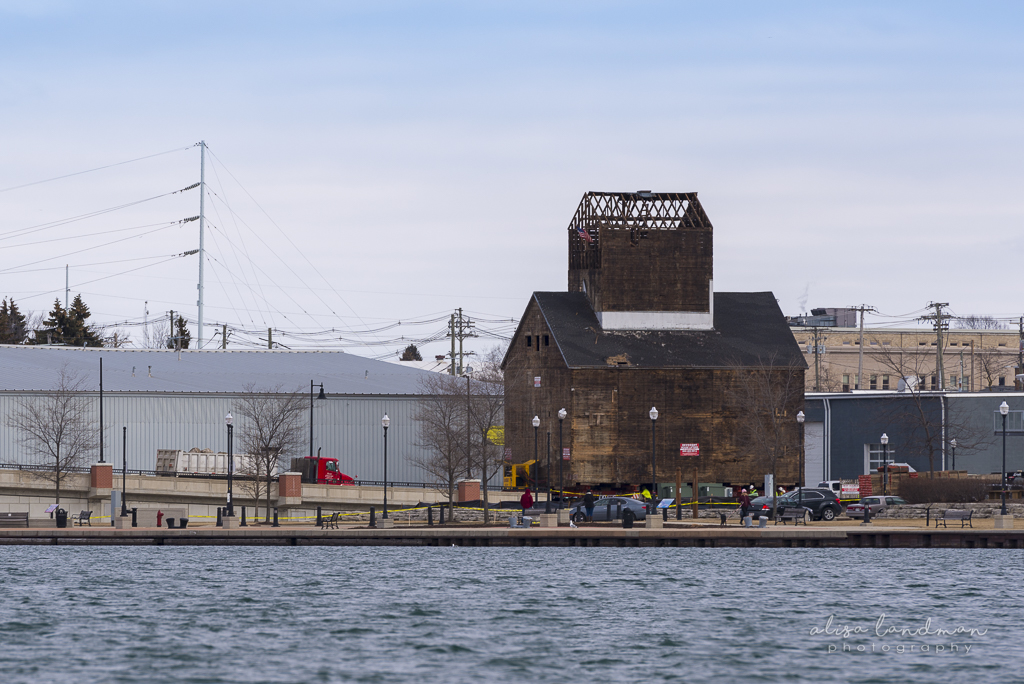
column 749, row 329
column 27, row 368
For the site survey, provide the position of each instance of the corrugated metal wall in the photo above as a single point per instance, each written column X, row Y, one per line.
column 346, row 427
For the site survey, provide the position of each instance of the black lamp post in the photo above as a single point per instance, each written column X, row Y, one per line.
column 385, row 422
column 654, row 476
column 231, row 462
column 536, row 425
column 800, row 418
column 320, row 396
column 124, row 471
column 547, row 477
column 469, row 465
column 885, row 464
column 952, row 443
column 561, row 457
column 1004, row 409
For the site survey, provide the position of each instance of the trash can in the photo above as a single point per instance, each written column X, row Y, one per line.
column 628, row 516
column 62, row 518
column 762, row 521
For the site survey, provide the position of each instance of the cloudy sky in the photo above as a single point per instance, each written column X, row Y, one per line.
column 372, row 163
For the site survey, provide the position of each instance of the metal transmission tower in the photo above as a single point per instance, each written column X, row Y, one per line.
column 940, row 322
column 459, row 328
column 202, row 248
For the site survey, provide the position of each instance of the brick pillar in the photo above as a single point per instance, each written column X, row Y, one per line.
column 289, row 489
column 101, row 480
column 469, row 490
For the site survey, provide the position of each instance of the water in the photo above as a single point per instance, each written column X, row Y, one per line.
column 222, row 614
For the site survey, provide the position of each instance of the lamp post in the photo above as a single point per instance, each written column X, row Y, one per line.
column 654, row 475
column 547, row 476
column 885, row 464
column 952, row 443
column 536, row 424
column 561, row 457
column 469, row 465
column 124, row 471
column 1004, row 409
column 800, row 418
column 320, row 396
column 385, row 422
column 231, row 463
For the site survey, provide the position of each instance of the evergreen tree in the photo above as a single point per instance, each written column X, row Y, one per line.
column 182, row 337
column 411, row 353
column 12, row 324
column 68, row 326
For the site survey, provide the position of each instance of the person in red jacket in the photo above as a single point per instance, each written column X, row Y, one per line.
column 526, row 500
column 744, row 505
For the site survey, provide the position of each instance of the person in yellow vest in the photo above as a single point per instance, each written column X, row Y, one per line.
column 753, row 492
column 646, row 494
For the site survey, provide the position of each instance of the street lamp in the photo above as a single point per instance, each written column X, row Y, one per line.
column 466, row 374
column 1004, row 409
column 320, row 396
column 231, row 465
column 885, row 463
column 536, row 424
column 385, row 422
column 952, row 443
column 800, row 418
column 654, row 477
column 561, row 457
column 547, row 476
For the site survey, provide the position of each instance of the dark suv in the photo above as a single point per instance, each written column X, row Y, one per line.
column 822, row 503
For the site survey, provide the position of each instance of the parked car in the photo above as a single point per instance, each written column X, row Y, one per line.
column 822, row 503
column 762, row 505
column 578, row 512
column 875, row 503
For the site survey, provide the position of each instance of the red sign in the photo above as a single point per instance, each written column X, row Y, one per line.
column 536, row 381
column 565, row 454
column 508, row 453
column 689, row 449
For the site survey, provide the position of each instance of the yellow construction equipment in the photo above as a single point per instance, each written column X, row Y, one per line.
column 517, row 475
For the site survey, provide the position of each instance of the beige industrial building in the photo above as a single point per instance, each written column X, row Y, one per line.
column 972, row 360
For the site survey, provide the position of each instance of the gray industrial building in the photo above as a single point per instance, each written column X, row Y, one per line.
column 178, row 400
column 843, row 432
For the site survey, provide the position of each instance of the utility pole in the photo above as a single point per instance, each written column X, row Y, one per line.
column 202, row 248
column 939, row 323
column 270, row 338
column 1020, row 355
column 459, row 328
column 451, row 334
column 171, row 338
column 224, row 336
column 67, row 285
column 818, row 339
column 860, row 360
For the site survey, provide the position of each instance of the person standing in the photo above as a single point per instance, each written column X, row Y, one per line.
column 526, row 501
column 744, row 505
column 588, row 503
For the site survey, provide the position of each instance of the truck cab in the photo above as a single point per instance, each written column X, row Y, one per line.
column 323, row 470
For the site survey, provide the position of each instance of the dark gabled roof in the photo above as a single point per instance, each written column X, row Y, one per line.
column 749, row 330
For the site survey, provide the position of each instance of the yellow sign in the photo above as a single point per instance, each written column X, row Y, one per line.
column 496, row 434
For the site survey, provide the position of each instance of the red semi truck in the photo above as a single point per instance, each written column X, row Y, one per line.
column 322, row 470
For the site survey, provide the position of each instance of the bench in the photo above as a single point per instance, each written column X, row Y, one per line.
column 955, row 514
column 797, row 515
column 83, row 518
column 331, row 522
column 14, row 519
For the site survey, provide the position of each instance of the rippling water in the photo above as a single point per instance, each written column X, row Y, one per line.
column 220, row 614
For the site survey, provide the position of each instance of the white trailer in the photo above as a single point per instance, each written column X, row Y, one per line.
column 204, row 461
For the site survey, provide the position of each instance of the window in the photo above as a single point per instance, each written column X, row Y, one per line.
column 874, row 382
column 874, row 456
column 921, row 344
column 547, row 340
column 529, row 340
column 846, row 383
column 953, row 381
column 935, row 383
column 1002, row 344
column 1002, row 382
column 885, row 382
column 1014, row 422
column 874, row 343
column 952, row 344
column 846, row 342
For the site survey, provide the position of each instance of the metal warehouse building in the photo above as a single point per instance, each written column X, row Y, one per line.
column 178, row 400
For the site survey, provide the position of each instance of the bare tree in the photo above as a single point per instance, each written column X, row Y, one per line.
column 57, row 428
column 118, row 339
column 918, row 416
column 442, row 431
column 269, row 428
column 994, row 364
column 487, row 417
column 154, row 335
column 771, row 393
column 976, row 322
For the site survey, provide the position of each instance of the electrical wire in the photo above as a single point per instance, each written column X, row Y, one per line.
column 98, row 168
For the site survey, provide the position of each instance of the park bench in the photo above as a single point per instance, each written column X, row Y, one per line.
column 331, row 522
column 83, row 518
column 797, row 515
column 955, row 514
column 14, row 519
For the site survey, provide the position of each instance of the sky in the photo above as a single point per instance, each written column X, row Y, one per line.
column 374, row 166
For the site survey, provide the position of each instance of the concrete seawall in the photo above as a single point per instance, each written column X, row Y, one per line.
column 496, row 536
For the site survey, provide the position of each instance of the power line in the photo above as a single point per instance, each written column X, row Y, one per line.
column 98, row 168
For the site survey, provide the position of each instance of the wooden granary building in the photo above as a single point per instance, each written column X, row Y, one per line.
column 640, row 327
